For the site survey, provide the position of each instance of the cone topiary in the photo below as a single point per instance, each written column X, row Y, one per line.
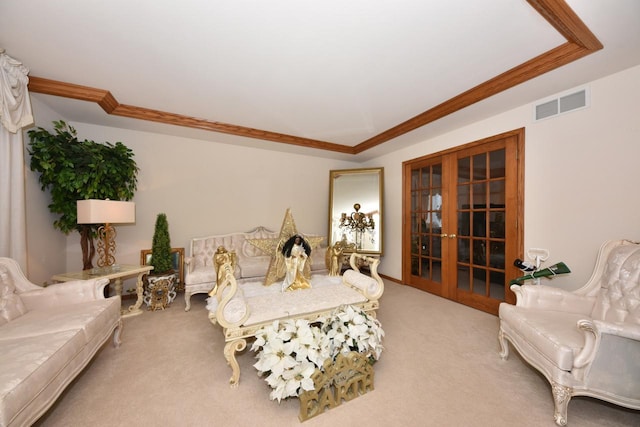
column 161, row 246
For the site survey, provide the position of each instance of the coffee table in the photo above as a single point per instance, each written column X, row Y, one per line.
column 116, row 273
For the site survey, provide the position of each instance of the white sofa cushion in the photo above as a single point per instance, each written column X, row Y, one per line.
column 552, row 333
column 201, row 275
column 92, row 318
column 32, row 364
column 11, row 305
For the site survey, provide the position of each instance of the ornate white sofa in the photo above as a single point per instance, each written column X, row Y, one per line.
column 200, row 274
column 243, row 308
column 47, row 336
column 585, row 342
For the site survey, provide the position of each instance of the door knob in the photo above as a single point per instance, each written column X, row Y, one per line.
column 452, row 236
column 444, row 235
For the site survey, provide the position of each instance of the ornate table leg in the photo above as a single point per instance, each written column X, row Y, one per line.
column 230, row 349
column 118, row 286
column 134, row 310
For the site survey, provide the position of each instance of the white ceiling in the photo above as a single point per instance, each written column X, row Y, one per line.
column 332, row 70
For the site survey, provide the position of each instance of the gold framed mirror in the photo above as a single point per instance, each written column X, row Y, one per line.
column 355, row 208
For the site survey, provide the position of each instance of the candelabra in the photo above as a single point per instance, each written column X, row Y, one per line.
column 357, row 222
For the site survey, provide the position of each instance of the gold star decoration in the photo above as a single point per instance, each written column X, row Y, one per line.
column 273, row 246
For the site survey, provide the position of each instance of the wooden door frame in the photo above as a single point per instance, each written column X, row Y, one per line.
column 510, row 270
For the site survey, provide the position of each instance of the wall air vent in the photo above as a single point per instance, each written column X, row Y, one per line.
column 559, row 104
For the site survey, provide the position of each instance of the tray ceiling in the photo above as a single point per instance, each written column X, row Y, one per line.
column 350, row 78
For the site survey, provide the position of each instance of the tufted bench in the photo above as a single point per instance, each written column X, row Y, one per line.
column 241, row 308
column 585, row 342
column 200, row 274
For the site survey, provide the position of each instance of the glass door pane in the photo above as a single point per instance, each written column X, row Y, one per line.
column 481, row 195
column 426, row 222
column 461, row 213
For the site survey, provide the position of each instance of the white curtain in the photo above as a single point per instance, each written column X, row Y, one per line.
column 15, row 113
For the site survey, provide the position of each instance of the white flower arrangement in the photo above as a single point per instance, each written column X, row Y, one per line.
column 290, row 351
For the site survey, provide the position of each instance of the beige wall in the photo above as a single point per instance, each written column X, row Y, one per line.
column 580, row 171
column 203, row 187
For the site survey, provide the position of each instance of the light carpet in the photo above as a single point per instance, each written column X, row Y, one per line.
column 440, row 367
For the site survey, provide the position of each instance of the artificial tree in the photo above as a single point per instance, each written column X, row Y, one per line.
column 160, row 282
column 161, row 247
column 74, row 170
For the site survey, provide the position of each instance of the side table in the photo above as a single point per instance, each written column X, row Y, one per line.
column 116, row 273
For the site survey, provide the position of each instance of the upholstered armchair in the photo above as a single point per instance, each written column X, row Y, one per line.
column 585, row 342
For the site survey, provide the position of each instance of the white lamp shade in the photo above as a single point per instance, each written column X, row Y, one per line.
column 94, row 211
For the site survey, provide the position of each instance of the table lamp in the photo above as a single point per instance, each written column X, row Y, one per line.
column 106, row 212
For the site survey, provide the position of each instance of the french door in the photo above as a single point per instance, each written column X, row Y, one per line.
column 462, row 227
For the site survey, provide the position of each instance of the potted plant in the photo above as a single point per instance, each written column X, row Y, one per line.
column 160, row 286
column 75, row 170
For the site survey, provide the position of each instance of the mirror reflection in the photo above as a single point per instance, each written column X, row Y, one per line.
column 355, row 209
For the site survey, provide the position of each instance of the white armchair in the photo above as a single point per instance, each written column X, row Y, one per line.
column 585, row 342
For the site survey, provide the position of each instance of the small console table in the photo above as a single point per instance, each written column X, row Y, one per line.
column 116, row 273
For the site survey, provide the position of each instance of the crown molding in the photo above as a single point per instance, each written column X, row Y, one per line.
column 580, row 42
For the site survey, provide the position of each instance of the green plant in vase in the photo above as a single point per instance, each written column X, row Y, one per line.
column 161, row 281
column 161, row 246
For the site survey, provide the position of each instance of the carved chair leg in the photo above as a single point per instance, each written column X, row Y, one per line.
column 504, row 345
column 117, row 334
column 230, row 350
column 561, row 398
column 187, row 301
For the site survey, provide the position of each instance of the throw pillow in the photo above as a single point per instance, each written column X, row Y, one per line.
column 11, row 305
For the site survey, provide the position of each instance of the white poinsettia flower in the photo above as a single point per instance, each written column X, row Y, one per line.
column 290, row 351
column 320, row 351
column 323, row 351
column 360, row 317
column 278, row 392
column 375, row 337
column 265, row 334
column 302, row 339
column 274, row 380
column 298, row 377
column 343, row 317
column 288, row 330
column 337, row 334
column 276, row 357
column 306, row 351
column 351, row 312
column 358, row 331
